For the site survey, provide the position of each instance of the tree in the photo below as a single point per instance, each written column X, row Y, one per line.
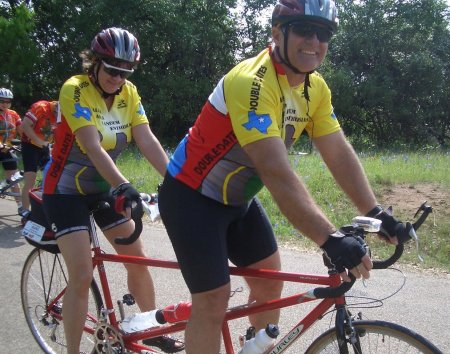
column 389, row 71
column 18, row 51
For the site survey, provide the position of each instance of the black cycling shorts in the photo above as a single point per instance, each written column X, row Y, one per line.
column 8, row 161
column 206, row 234
column 32, row 156
column 70, row 213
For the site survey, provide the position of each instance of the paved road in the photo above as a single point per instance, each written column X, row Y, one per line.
column 422, row 305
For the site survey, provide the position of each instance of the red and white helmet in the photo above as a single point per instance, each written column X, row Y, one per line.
column 323, row 11
column 5, row 93
column 116, row 43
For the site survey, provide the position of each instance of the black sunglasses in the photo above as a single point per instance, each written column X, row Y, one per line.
column 114, row 70
column 5, row 101
column 308, row 30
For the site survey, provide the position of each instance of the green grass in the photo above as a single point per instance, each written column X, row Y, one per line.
column 384, row 171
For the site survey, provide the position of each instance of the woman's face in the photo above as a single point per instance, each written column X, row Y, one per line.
column 112, row 75
column 304, row 49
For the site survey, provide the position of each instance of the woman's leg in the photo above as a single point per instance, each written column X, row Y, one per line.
column 76, row 250
column 140, row 283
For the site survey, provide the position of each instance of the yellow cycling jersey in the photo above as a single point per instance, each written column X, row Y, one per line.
column 71, row 171
column 253, row 101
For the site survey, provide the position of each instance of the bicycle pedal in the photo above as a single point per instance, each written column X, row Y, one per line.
column 128, row 299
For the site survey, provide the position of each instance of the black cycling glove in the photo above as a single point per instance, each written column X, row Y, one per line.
column 124, row 196
column 390, row 226
column 344, row 251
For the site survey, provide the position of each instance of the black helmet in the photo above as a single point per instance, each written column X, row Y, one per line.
column 116, row 43
column 323, row 11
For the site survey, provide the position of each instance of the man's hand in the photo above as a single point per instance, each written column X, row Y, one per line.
column 348, row 252
column 391, row 228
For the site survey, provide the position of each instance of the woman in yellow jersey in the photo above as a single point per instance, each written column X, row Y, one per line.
column 101, row 113
column 239, row 144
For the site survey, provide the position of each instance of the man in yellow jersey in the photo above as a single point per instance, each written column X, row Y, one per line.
column 239, row 144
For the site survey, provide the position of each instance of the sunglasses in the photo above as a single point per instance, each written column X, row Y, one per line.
column 308, row 30
column 5, row 101
column 113, row 71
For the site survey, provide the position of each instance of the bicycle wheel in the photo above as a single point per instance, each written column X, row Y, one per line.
column 44, row 277
column 376, row 337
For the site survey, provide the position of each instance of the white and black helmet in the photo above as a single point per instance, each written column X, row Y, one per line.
column 5, row 93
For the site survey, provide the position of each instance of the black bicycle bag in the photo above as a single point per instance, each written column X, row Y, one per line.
column 37, row 230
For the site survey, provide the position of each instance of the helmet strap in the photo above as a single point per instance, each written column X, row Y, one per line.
column 288, row 63
column 97, row 83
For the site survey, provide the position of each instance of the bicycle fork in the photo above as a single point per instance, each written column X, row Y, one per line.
column 346, row 333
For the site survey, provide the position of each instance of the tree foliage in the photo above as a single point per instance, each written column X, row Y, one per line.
column 389, row 71
column 388, row 65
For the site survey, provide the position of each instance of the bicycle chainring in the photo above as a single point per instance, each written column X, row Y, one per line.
column 108, row 339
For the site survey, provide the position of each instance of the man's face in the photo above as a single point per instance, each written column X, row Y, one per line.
column 5, row 104
column 307, row 44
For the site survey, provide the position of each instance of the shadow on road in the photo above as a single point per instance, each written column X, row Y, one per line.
column 10, row 232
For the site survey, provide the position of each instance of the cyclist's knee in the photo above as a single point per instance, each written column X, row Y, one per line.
column 265, row 289
column 212, row 304
column 80, row 281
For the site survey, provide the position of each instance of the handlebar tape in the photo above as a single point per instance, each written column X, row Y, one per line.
column 136, row 215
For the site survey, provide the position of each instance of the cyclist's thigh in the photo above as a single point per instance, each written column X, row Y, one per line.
column 5, row 159
column 251, row 238
column 67, row 213
column 197, row 227
column 115, row 225
column 30, row 157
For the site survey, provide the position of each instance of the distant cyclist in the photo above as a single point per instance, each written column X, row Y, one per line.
column 239, row 144
column 101, row 114
column 9, row 129
column 37, row 134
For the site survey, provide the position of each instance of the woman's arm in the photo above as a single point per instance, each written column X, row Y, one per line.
column 150, row 147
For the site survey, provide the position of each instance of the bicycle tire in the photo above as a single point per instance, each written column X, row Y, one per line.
column 376, row 337
column 44, row 275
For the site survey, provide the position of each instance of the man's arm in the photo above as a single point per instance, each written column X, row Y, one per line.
column 28, row 130
column 346, row 169
column 270, row 158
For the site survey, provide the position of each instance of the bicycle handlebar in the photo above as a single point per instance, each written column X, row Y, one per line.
column 136, row 215
column 408, row 228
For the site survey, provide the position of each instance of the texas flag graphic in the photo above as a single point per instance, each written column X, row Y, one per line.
column 258, row 121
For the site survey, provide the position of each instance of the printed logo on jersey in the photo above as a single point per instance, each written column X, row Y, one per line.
column 121, row 104
column 255, row 89
column 82, row 112
column 141, row 110
column 258, row 121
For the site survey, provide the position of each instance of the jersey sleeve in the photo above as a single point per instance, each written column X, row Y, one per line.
column 74, row 104
column 138, row 114
column 324, row 120
column 253, row 104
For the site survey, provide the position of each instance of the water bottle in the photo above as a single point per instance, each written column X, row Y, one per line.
column 178, row 312
column 262, row 341
column 141, row 321
column 3, row 184
column 16, row 176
